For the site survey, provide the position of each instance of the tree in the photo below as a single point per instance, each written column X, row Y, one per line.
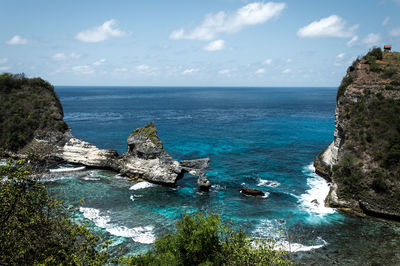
column 36, row 229
column 203, row 240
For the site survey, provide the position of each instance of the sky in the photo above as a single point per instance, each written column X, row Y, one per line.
column 192, row 43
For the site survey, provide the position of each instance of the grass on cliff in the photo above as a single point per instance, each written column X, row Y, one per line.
column 27, row 105
column 149, row 131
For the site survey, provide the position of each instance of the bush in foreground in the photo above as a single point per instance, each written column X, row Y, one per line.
column 35, row 229
column 203, row 240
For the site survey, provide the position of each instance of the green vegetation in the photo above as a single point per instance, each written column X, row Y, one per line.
column 372, row 126
column 35, row 229
column 371, row 57
column 203, row 240
column 149, row 131
column 346, row 81
column 27, row 105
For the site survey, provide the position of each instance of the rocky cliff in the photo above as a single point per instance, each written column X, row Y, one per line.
column 31, row 121
column 363, row 161
column 31, row 115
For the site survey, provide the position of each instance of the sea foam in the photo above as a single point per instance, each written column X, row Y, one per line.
column 141, row 234
column 267, row 183
column 141, row 185
column 67, row 169
column 314, row 198
column 274, row 229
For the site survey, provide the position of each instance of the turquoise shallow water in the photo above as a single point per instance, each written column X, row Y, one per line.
column 264, row 138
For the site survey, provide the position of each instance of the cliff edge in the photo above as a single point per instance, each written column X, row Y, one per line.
column 363, row 161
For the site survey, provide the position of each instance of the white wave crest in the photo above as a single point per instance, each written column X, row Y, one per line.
column 273, row 229
column 296, row 247
column 67, row 169
column 141, row 234
column 267, row 183
column 141, row 185
column 314, row 198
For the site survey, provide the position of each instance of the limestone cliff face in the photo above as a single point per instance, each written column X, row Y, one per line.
column 363, row 161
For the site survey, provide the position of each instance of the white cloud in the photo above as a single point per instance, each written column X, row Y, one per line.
column 332, row 26
column 142, row 68
column 260, row 71
column 17, row 40
column 353, row 41
column 385, row 21
column 74, row 55
column 62, row 56
column 3, row 60
column 100, row 33
column 224, row 71
column 99, row 62
column 267, row 61
column 223, row 22
column 395, row 32
column 4, row 68
column 372, row 39
column 215, row 46
column 83, row 69
column 340, row 56
column 287, row 71
column 189, row 71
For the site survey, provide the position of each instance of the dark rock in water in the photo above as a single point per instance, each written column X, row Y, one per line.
column 198, row 168
column 315, row 202
column 203, row 183
column 252, row 192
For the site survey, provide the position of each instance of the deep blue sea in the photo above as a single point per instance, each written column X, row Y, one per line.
column 263, row 138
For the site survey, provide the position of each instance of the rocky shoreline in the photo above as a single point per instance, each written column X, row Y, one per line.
column 145, row 158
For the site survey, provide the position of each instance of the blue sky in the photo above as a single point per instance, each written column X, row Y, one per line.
column 192, row 43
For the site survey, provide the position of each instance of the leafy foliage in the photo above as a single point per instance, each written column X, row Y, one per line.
column 204, row 240
column 346, row 81
column 27, row 105
column 35, row 229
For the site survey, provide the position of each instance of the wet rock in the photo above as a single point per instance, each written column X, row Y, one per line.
column 252, row 192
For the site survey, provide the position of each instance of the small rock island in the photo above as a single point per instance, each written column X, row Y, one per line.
column 363, row 161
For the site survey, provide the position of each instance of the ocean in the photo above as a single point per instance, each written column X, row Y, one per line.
column 262, row 138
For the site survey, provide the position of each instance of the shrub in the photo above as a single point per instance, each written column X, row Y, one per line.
column 389, row 71
column 346, row 81
column 203, row 240
column 375, row 52
column 35, row 229
column 378, row 184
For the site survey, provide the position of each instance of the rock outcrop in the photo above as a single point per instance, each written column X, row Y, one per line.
column 363, row 161
column 198, row 168
column 252, row 192
column 145, row 158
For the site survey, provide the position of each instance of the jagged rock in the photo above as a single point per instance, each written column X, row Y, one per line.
column 315, row 202
column 198, row 168
column 145, row 158
column 203, row 183
column 82, row 152
column 252, row 192
column 144, row 142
